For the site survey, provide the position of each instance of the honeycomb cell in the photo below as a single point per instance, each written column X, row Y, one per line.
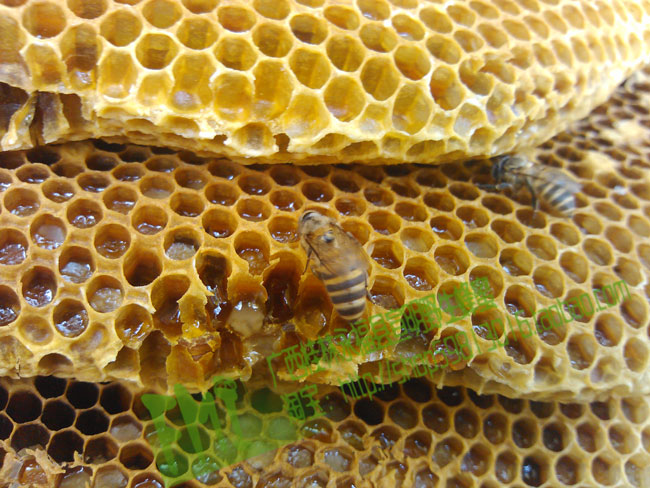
column 128, row 173
column 481, row 245
column 378, row 38
column 121, row 28
column 92, row 422
column 565, row 233
column 542, row 247
column 111, row 241
column 447, row 450
column 190, row 92
column 411, row 110
column 132, row 324
column 387, row 254
column 273, row 88
column 70, row 318
column 111, row 476
column 516, row 262
column 451, row 260
column 47, row 232
column 100, row 450
column 155, row 51
column 29, row 436
column 597, row 251
column 309, row 29
column 35, row 329
column 21, row 202
column 386, row 293
column 181, row 243
column 104, row 294
column 407, row 27
column 149, row 220
column 196, row 33
column 38, row 286
column 283, row 229
column 548, row 282
column 162, row 13
column 272, row 40
column 317, row 191
column 344, row 98
column 310, row 67
column 120, row 199
column 84, row 213
column 416, row 239
column 44, row 19
column 235, row 18
column 141, row 267
column 186, row 204
column 412, row 62
column 436, row 20
column 156, row 187
column 252, row 248
column 253, row 210
column 24, row 406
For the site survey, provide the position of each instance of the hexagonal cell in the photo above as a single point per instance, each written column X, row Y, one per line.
column 129, row 172
column 84, row 213
column 451, row 260
column 542, row 247
column 403, row 414
column 115, row 398
column 29, row 436
column 181, row 243
column 186, row 204
column 481, row 245
column 120, row 28
column 141, row 266
column 63, row 446
column 38, row 286
column 387, row 293
column 317, row 191
column 111, row 241
column 420, row 274
column 104, row 294
column 57, row 191
column 136, row 456
column 253, row 248
column 344, row 98
column 472, row 217
column 605, row 469
column 447, row 450
column 21, row 202
column 47, row 232
column 24, row 406
column 149, row 220
column 369, row 411
column 516, row 262
column 548, row 282
column 253, row 210
column 70, row 318
column 13, row 247
column 92, row 422
column 635, row 354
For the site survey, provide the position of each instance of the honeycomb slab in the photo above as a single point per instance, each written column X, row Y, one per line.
column 313, row 81
column 159, row 267
column 58, row 433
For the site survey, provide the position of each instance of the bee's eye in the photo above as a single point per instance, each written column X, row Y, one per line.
column 328, row 238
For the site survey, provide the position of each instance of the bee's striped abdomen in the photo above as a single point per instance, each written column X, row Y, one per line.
column 558, row 197
column 347, row 292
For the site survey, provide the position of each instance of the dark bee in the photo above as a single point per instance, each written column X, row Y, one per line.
column 340, row 263
column 551, row 186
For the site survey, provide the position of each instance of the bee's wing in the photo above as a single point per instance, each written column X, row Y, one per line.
column 553, row 175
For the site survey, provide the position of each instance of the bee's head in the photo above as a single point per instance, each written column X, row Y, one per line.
column 310, row 221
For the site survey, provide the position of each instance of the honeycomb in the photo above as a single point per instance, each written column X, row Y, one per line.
column 161, row 267
column 65, row 434
column 313, row 81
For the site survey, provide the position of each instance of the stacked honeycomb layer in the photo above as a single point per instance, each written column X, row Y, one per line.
column 158, row 267
column 313, row 80
column 409, row 436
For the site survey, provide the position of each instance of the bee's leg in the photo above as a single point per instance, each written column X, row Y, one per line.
column 367, row 291
column 308, row 260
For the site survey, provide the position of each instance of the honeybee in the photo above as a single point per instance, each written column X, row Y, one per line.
column 340, row 263
column 549, row 185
